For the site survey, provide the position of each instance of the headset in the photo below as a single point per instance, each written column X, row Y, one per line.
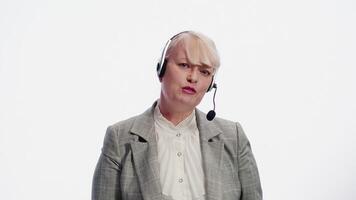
column 162, row 63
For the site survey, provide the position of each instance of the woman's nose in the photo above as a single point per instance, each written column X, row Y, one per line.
column 193, row 75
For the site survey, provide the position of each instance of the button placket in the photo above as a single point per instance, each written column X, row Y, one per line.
column 179, row 157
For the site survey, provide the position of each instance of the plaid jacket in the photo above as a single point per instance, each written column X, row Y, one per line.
column 128, row 165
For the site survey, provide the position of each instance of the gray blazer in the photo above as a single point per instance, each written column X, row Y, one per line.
column 128, row 167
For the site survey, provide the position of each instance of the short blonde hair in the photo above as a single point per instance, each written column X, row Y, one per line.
column 203, row 51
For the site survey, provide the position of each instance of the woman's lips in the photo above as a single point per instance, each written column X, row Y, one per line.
column 189, row 90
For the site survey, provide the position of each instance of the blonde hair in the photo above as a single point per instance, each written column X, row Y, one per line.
column 198, row 48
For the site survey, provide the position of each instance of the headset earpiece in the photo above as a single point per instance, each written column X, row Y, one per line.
column 212, row 85
column 161, row 65
column 161, row 69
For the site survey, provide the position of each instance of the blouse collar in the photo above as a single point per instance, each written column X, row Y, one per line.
column 188, row 123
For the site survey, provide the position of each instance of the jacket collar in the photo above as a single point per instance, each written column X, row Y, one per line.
column 144, row 125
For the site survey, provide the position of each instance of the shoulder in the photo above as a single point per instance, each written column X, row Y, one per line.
column 123, row 125
column 140, row 125
column 231, row 130
column 120, row 131
column 117, row 133
column 226, row 124
column 228, row 128
column 139, row 121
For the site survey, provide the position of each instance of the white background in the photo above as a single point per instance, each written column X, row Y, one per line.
column 70, row 68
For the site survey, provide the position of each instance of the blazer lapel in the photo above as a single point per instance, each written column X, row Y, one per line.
column 144, row 152
column 211, row 148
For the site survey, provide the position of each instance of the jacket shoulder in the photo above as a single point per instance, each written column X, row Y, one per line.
column 123, row 125
column 224, row 123
column 229, row 128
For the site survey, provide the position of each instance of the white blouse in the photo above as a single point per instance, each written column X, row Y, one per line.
column 179, row 157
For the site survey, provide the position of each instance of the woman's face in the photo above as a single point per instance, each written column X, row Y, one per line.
column 184, row 83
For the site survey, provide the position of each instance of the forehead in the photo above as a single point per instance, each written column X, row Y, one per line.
column 194, row 50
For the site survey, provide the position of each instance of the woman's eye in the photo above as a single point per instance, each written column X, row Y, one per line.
column 205, row 72
column 183, row 64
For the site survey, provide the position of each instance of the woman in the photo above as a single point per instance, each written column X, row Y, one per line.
column 172, row 151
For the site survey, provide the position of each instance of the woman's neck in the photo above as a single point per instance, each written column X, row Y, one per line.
column 171, row 114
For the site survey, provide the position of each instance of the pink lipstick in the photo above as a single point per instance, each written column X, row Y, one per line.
column 189, row 90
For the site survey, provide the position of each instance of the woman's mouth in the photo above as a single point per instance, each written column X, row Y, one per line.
column 188, row 90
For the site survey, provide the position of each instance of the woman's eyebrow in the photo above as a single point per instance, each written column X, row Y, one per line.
column 201, row 64
column 183, row 59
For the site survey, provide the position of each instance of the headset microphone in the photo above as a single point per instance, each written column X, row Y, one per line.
column 211, row 114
